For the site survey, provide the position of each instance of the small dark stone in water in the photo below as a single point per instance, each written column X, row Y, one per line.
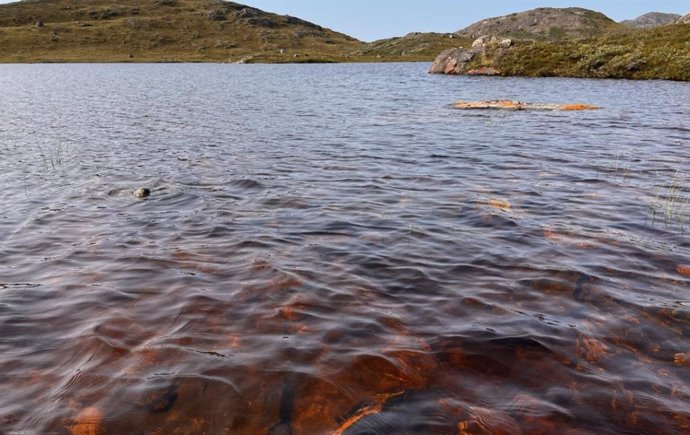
column 142, row 192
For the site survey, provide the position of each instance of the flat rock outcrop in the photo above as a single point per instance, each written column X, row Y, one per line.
column 520, row 105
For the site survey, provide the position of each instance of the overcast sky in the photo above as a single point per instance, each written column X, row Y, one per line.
column 376, row 19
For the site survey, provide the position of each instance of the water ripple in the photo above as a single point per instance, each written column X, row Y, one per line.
column 333, row 249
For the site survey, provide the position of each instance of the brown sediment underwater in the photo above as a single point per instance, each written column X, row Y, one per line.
column 383, row 265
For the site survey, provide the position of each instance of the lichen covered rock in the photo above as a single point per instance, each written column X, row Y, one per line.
column 453, row 61
column 519, row 105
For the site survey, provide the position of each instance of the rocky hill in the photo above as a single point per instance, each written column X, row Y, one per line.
column 545, row 23
column 161, row 30
column 685, row 19
column 651, row 19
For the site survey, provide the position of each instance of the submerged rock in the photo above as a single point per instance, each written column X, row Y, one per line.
column 142, row 192
column 519, row 105
column 87, row 422
column 500, row 204
column 683, row 269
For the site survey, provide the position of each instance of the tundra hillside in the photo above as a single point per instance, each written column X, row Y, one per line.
column 161, row 30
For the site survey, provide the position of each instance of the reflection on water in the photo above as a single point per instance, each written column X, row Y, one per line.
column 334, row 250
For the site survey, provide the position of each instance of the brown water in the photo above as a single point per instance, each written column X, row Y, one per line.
column 334, row 250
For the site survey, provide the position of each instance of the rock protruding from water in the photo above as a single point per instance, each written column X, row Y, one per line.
column 453, row 61
column 142, row 192
column 519, row 105
column 465, row 61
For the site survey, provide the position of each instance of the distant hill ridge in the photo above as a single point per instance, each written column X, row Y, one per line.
column 543, row 23
column 651, row 19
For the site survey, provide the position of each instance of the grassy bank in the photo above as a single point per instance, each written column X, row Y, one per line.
column 659, row 53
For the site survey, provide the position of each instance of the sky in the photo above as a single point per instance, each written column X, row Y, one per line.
column 369, row 20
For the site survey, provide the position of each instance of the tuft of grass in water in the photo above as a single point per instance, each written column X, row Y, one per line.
column 672, row 200
column 52, row 157
column 670, row 193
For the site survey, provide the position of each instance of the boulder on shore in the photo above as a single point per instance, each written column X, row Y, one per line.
column 453, row 61
column 456, row 60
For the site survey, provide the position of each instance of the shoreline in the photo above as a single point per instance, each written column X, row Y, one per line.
column 332, row 62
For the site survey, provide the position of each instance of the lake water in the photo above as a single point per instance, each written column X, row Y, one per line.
column 333, row 249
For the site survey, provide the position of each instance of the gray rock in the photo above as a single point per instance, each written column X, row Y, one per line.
column 142, row 192
column 216, row 15
column 453, row 61
column 505, row 43
column 481, row 42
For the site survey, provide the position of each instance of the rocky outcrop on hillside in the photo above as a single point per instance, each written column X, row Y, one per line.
column 543, row 22
column 684, row 19
column 651, row 19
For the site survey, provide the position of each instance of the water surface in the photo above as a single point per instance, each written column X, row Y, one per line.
column 334, row 249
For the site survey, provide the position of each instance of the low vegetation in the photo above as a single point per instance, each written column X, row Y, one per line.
column 658, row 53
column 161, row 31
